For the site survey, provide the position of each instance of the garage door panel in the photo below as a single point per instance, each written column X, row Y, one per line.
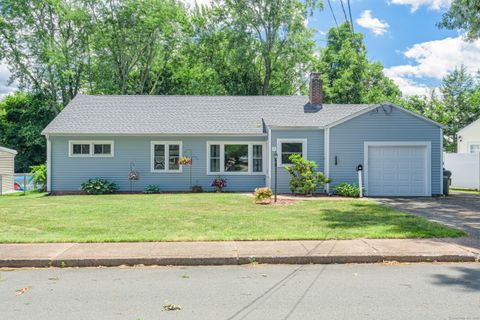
column 397, row 170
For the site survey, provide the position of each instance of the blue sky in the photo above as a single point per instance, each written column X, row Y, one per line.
column 401, row 34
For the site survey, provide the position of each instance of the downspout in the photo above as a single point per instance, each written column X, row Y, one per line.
column 49, row 164
column 269, row 153
column 326, row 150
column 441, row 161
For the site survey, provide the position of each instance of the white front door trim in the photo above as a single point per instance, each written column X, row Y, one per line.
column 428, row 159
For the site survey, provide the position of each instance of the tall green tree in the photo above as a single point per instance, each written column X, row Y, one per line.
column 463, row 14
column 45, row 44
column 25, row 117
column 455, row 105
column 348, row 75
column 275, row 38
column 132, row 42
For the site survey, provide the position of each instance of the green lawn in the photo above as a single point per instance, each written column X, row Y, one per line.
column 471, row 191
column 207, row 216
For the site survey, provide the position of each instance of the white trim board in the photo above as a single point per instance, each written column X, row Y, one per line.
column 428, row 159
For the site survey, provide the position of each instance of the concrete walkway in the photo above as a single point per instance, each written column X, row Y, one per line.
column 239, row 252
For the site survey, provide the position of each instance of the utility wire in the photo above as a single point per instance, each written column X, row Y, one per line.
column 350, row 13
column 333, row 14
column 343, row 9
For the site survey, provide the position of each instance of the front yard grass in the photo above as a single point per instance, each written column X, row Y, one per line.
column 207, row 216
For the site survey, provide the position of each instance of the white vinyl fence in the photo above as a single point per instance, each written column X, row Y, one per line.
column 465, row 168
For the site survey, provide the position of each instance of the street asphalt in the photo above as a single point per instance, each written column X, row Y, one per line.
column 351, row 291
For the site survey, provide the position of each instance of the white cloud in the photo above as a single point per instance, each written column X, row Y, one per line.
column 415, row 4
column 375, row 25
column 434, row 60
column 5, row 88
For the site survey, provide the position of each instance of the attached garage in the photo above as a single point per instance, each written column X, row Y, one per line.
column 400, row 152
column 397, row 168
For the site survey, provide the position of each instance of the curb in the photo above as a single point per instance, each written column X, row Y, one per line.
column 217, row 261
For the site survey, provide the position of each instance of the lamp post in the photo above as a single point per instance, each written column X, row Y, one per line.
column 275, row 157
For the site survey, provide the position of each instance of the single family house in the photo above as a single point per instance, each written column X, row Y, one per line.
column 468, row 138
column 237, row 137
column 7, row 169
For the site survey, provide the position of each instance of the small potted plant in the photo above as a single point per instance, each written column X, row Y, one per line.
column 185, row 161
column 263, row 195
column 218, row 184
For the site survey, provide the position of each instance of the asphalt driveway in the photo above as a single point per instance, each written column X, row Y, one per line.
column 459, row 210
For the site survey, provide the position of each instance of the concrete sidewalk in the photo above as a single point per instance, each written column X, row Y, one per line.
column 239, row 252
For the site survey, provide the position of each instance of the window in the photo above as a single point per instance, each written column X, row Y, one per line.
column 165, row 156
column 257, row 158
column 235, row 158
column 475, row 148
column 287, row 147
column 91, row 148
column 102, row 148
column 215, row 158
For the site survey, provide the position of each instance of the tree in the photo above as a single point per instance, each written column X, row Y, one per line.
column 463, row 14
column 456, row 105
column 45, row 44
column 273, row 36
column 348, row 76
column 132, row 41
column 20, row 128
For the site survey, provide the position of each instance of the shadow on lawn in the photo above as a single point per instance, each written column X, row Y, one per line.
column 366, row 215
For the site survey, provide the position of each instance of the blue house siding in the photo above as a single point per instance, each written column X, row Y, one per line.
column 347, row 142
column 69, row 172
column 315, row 152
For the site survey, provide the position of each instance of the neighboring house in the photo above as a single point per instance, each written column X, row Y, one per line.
column 7, row 169
column 236, row 136
column 468, row 138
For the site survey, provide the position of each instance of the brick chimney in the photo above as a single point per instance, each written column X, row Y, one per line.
column 316, row 89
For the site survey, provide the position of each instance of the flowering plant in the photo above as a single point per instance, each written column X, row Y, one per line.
column 219, row 183
column 185, row 160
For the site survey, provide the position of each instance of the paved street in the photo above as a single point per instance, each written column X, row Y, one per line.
column 460, row 210
column 381, row 291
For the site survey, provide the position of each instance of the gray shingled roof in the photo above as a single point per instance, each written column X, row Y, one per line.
column 192, row 114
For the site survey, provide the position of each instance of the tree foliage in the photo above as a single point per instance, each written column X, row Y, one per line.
column 25, row 117
column 463, row 14
column 304, row 178
column 348, row 75
column 456, row 105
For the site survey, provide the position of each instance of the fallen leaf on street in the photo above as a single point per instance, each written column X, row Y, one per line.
column 172, row 307
column 22, row 291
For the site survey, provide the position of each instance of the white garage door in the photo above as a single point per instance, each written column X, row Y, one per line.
column 397, row 170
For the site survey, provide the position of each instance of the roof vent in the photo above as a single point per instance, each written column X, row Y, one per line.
column 316, row 89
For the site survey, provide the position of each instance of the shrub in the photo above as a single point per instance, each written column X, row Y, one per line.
column 153, row 188
column 304, row 178
column 348, row 190
column 263, row 195
column 98, row 186
column 39, row 176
